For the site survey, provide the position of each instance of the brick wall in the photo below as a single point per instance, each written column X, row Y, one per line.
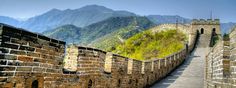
column 28, row 59
column 104, row 69
column 233, row 57
column 219, row 65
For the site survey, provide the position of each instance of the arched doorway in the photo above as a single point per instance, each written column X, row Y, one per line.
column 35, row 84
column 119, row 81
column 90, row 84
column 214, row 30
column 202, row 31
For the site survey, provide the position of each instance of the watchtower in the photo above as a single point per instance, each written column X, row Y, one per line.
column 206, row 29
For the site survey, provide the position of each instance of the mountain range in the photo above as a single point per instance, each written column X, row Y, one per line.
column 95, row 25
column 107, row 32
column 87, row 15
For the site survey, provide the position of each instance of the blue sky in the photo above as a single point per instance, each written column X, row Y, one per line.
column 223, row 9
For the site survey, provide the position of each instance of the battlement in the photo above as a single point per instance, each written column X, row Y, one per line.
column 32, row 60
column 205, row 22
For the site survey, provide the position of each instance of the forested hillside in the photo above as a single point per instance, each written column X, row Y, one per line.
column 148, row 45
column 101, row 34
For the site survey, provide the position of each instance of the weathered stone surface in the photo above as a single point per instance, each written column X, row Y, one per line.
column 12, row 46
column 17, row 52
column 6, row 56
column 4, row 50
column 24, row 69
column 25, row 58
column 3, row 62
column 26, row 48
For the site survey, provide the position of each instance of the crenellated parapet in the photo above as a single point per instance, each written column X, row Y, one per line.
column 27, row 58
column 32, row 60
column 100, row 66
column 205, row 22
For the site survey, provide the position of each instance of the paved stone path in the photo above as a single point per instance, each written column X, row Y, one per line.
column 189, row 75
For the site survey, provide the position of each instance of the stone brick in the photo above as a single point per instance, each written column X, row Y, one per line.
column 4, row 50
column 43, row 43
column 11, row 34
column 23, row 74
column 3, row 62
column 51, row 70
column 18, row 41
column 29, row 38
column 33, row 54
column 26, row 48
column 17, row 52
column 28, row 64
column 7, row 68
column 41, row 50
column 9, row 57
column 25, row 58
column 12, row 46
column 37, row 45
column 4, row 74
column 13, row 63
column 24, row 69
column 38, row 69
column 54, row 45
column 39, row 60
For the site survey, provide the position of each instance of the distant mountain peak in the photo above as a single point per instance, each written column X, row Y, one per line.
column 94, row 7
column 54, row 10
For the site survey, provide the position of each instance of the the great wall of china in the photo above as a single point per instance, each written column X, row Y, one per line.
column 31, row 60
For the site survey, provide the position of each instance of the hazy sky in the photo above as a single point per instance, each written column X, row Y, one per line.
column 223, row 9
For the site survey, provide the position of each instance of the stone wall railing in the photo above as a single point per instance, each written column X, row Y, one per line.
column 97, row 68
column 219, row 65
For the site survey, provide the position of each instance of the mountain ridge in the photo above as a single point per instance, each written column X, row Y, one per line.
column 98, row 30
column 87, row 15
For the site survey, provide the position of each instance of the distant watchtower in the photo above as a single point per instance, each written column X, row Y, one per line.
column 206, row 29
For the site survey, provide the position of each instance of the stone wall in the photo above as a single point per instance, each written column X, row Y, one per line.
column 233, row 57
column 220, row 64
column 105, row 69
column 30, row 60
column 217, row 65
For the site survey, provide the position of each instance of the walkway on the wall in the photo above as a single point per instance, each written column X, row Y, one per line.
column 189, row 75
